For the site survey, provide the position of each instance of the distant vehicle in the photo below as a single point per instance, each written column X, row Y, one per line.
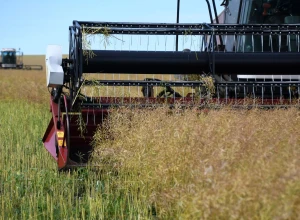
column 13, row 59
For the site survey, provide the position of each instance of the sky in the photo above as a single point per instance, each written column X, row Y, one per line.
column 33, row 24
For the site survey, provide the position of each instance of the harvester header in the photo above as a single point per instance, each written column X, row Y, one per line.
column 147, row 65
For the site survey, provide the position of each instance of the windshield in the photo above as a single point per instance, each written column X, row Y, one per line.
column 8, row 57
column 270, row 12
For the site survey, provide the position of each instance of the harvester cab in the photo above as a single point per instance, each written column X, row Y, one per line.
column 247, row 56
column 11, row 58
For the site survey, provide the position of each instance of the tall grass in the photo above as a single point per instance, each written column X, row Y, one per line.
column 153, row 164
column 23, row 85
column 32, row 188
column 218, row 164
column 30, row 185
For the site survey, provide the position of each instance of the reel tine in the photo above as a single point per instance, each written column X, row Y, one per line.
column 106, row 91
column 140, row 40
column 279, row 36
column 191, row 46
column 115, row 98
column 253, row 42
column 148, row 43
column 290, row 93
column 183, row 94
column 128, row 88
column 245, row 94
column 122, row 43
column 156, row 88
column 138, row 89
column 226, row 93
column 235, row 93
column 165, row 42
column 262, row 42
column 271, row 42
column 200, row 93
column 194, row 94
column 225, row 42
column 123, row 96
column 262, row 93
column 218, row 93
column 114, row 43
column 280, row 93
column 202, row 42
column 174, row 92
column 289, row 42
column 234, row 43
column 272, row 94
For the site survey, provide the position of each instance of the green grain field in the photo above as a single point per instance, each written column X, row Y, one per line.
column 155, row 164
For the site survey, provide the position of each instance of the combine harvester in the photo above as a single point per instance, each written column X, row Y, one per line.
column 248, row 56
column 13, row 59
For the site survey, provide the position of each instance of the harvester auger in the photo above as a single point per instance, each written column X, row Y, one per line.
column 242, row 63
